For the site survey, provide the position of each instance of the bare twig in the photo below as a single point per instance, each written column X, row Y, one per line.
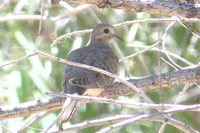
column 97, row 122
column 169, row 53
column 152, row 20
column 73, row 11
column 25, row 18
column 7, row 129
column 135, row 105
column 31, row 121
column 140, row 52
column 161, row 130
column 4, row 3
column 68, row 35
column 30, row 108
column 17, row 60
column 126, row 119
column 164, row 47
column 153, row 117
column 41, row 13
column 189, row 28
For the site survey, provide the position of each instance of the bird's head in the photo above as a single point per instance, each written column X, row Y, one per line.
column 104, row 33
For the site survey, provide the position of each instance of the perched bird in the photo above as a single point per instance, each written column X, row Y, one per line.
column 82, row 81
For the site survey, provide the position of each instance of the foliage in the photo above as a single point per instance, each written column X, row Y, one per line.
column 28, row 79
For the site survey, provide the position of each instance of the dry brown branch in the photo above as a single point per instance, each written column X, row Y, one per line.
column 30, row 108
column 189, row 75
column 165, row 7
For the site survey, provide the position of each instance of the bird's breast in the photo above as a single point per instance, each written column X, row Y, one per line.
column 93, row 92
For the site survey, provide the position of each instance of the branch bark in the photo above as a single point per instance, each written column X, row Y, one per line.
column 188, row 9
column 188, row 75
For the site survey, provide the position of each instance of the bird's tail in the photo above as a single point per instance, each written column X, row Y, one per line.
column 68, row 110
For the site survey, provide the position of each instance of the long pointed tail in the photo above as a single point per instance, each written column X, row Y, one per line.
column 68, row 110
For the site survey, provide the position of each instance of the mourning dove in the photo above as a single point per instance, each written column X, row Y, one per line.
column 82, row 81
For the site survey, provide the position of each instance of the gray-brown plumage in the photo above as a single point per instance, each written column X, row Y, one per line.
column 86, row 82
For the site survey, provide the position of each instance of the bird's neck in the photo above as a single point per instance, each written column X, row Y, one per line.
column 99, row 43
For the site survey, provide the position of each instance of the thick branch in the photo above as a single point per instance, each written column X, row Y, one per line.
column 165, row 7
column 188, row 75
column 31, row 107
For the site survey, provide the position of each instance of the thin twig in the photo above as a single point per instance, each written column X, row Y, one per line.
column 96, row 122
column 26, row 18
column 164, row 47
column 4, row 3
column 7, row 129
column 68, row 35
column 189, row 28
column 41, row 18
column 170, row 53
column 126, row 119
column 73, row 11
column 161, row 130
column 31, row 121
column 159, row 117
column 89, row 99
column 167, row 62
column 17, row 60
column 152, row 20
column 140, row 52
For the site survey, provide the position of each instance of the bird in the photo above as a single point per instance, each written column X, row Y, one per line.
column 80, row 81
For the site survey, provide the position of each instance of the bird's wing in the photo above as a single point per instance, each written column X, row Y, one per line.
column 85, row 81
column 91, row 79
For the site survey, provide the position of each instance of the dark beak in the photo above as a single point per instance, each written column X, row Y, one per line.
column 118, row 37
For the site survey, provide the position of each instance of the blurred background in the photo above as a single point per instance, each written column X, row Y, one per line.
column 21, row 30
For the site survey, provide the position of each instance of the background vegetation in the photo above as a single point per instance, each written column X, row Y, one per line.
column 28, row 79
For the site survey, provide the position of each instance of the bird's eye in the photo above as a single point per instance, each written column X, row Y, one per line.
column 106, row 30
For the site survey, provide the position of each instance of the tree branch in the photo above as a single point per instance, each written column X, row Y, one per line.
column 189, row 75
column 165, row 7
column 156, row 117
column 123, row 118
column 32, row 107
column 165, row 80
